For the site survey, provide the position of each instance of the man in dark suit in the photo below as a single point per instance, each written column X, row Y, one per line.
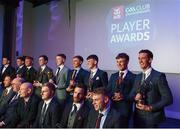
column 49, row 110
column 6, row 69
column 104, row 116
column 120, row 86
column 97, row 77
column 31, row 73
column 44, row 74
column 7, row 94
column 27, row 107
column 60, row 78
column 76, row 76
column 7, row 115
column 21, row 68
column 76, row 112
column 150, row 92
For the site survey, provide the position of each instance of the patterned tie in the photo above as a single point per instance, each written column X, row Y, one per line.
column 74, row 75
column 120, row 79
column 75, row 109
column 5, row 92
column 98, row 121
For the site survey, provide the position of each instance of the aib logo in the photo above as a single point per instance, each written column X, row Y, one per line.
column 118, row 12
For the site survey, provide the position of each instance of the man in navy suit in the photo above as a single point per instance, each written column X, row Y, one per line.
column 150, row 92
column 103, row 115
column 76, row 76
column 120, row 86
column 96, row 77
column 76, row 112
column 21, row 68
column 49, row 109
column 6, row 69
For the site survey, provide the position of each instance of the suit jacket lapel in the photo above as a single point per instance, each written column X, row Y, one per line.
column 108, row 118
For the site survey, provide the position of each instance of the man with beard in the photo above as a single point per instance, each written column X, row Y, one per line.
column 76, row 112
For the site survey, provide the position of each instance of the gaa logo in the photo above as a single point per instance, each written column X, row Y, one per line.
column 118, row 12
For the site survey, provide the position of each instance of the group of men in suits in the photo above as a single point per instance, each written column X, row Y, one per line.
column 84, row 98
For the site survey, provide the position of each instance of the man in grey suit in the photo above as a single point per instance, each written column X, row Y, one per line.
column 61, row 78
column 151, row 93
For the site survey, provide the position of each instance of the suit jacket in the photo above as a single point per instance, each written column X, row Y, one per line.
column 124, row 106
column 25, row 114
column 81, row 117
column 21, row 71
column 45, row 75
column 100, row 79
column 158, row 96
column 113, row 119
column 80, row 78
column 30, row 75
column 9, row 114
column 4, row 101
column 9, row 71
column 52, row 116
column 60, row 81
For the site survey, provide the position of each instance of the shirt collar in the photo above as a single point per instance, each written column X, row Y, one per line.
column 43, row 67
column 61, row 66
column 48, row 101
column 29, row 67
column 8, row 89
column 21, row 66
column 124, row 71
column 78, row 105
column 6, row 65
column 77, row 68
column 94, row 70
column 147, row 72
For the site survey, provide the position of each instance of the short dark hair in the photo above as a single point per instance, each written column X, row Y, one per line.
column 62, row 55
column 82, row 86
column 6, row 58
column 101, row 91
column 44, row 56
column 20, row 58
column 123, row 55
column 148, row 52
column 94, row 57
column 51, row 86
column 79, row 57
column 29, row 57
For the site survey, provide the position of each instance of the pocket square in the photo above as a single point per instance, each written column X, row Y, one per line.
column 97, row 78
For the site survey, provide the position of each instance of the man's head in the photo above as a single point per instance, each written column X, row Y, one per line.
column 92, row 61
column 43, row 60
column 77, row 61
column 28, row 61
column 16, row 83
column 100, row 99
column 80, row 92
column 145, row 59
column 7, row 81
column 122, row 60
column 48, row 91
column 20, row 61
column 26, row 90
column 60, row 59
column 5, row 61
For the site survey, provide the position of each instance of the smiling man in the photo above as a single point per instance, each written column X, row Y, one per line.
column 150, row 92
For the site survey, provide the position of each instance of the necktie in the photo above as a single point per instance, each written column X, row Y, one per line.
column 120, row 79
column 5, row 92
column 98, row 121
column 74, row 74
column 143, row 78
column 43, row 112
column 58, row 70
column 90, row 81
column 74, row 110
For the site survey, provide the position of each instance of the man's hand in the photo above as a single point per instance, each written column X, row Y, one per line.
column 89, row 95
column 146, row 108
column 117, row 96
column 138, row 97
column 37, row 84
